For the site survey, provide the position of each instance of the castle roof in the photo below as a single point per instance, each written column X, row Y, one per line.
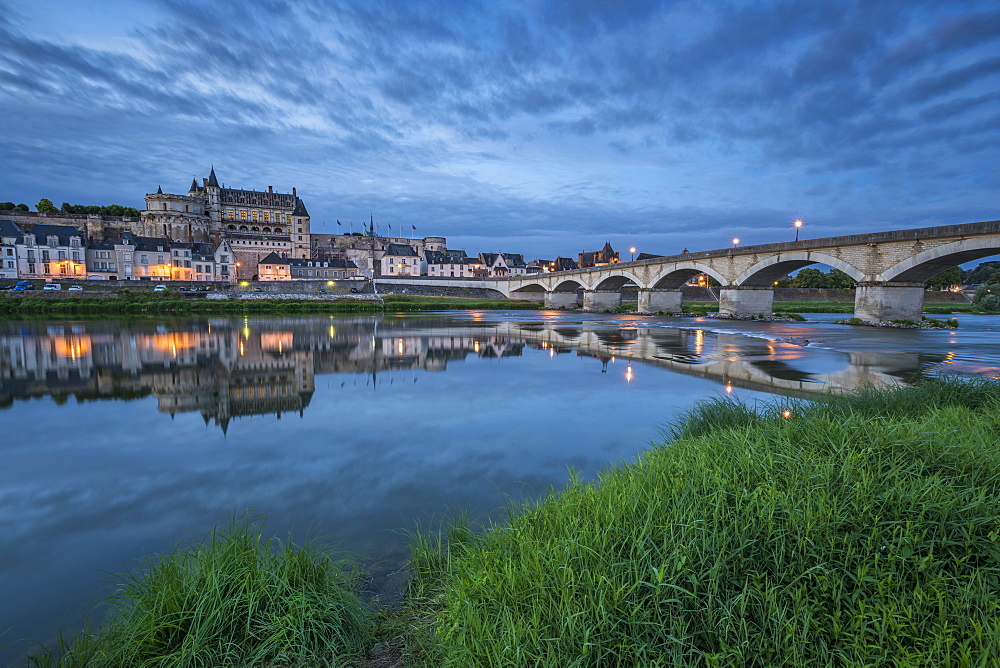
column 300, row 208
column 194, row 185
column 401, row 250
column 212, row 181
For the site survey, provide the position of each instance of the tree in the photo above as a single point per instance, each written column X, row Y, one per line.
column 838, row 279
column 46, row 206
column 993, row 279
column 945, row 279
column 21, row 207
column 809, row 278
column 6, row 206
column 981, row 273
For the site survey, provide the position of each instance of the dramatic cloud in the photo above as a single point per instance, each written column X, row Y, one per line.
column 552, row 125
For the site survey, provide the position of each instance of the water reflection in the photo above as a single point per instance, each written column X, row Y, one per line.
column 381, row 436
column 226, row 368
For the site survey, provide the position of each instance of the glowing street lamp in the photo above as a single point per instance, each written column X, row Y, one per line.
column 632, row 251
column 798, row 224
column 736, row 241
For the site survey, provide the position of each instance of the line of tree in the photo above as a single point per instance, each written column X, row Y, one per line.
column 46, row 206
column 10, row 206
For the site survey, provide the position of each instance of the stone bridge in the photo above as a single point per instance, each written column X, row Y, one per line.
column 889, row 267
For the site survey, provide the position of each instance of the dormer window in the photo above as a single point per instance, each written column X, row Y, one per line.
column 53, row 240
column 74, row 242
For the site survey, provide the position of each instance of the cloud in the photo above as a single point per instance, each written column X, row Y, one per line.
column 581, row 108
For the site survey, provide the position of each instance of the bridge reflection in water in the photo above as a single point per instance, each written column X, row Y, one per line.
column 226, row 368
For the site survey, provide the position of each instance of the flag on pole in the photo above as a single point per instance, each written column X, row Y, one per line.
column 390, row 225
column 338, row 223
column 414, row 227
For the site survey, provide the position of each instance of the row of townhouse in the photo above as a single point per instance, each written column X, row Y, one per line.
column 274, row 267
column 60, row 252
column 403, row 260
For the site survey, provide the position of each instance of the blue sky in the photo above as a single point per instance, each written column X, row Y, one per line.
column 538, row 127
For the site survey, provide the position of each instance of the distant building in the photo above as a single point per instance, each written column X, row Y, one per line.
column 450, row 263
column 10, row 232
column 503, row 264
column 400, row 260
column 606, row 255
column 51, row 252
column 325, row 268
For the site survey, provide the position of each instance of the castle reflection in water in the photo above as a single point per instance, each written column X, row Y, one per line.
column 222, row 368
column 231, row 367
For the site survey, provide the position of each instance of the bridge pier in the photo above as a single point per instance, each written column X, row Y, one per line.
column 555, row 299
column 746, row 300
column 653, row 300
column 601, row 301
column 877, row 302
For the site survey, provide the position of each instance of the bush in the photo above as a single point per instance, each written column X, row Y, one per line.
column 862, row 531
column 236, row 599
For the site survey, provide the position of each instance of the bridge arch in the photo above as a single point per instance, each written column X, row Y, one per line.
column 569, row 285
column 616, row 281
column 532, row 289
column 769, row 270
column 678, row 276
column 927, row 264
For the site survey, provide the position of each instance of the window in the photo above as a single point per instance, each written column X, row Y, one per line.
column 76, row 256
column 231, row 214
column 144, row 259
column 45, row 257
column 31, row 256
column 10, row 251
column 224, row 258
column 267, row 216
column 74, row 242
column 62, row 255
column 164, row 206
column 31, row 267
column 253, row 215
column 45, row 268
column 243, row 215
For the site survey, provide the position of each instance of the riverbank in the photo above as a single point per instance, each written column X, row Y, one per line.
column 858, row 530
column 152, row 303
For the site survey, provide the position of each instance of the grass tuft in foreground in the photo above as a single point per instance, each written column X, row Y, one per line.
column 236, row 599
column 860, row 531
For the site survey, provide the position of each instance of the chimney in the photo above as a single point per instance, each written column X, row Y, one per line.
column 293, row 192
column 270, row 189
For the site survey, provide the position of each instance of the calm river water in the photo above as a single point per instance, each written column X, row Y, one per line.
column 121, row 439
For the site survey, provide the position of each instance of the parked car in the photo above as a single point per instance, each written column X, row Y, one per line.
column 160, row 288
column 7, row 286
column 24, row 285
column 355, row 290
column 51, row 287
column 75, row 288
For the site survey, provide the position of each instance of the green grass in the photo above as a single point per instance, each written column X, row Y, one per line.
column 148, row 303
column 863, row 530
column 236, row 599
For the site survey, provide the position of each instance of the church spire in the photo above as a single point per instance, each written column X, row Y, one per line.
column 194, row 185
column 212, row 181
column 159, row 190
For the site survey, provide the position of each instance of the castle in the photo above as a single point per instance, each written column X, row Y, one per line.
column 254, row 223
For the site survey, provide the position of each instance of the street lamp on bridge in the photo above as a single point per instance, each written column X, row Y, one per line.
column 632, row 251
column 797, row 223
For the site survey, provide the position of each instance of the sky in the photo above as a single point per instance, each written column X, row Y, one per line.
column 541, row 127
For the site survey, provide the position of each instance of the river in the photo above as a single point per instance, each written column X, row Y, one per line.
column 121, row 439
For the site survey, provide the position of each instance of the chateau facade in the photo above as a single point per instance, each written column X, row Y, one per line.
column 254, row 223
